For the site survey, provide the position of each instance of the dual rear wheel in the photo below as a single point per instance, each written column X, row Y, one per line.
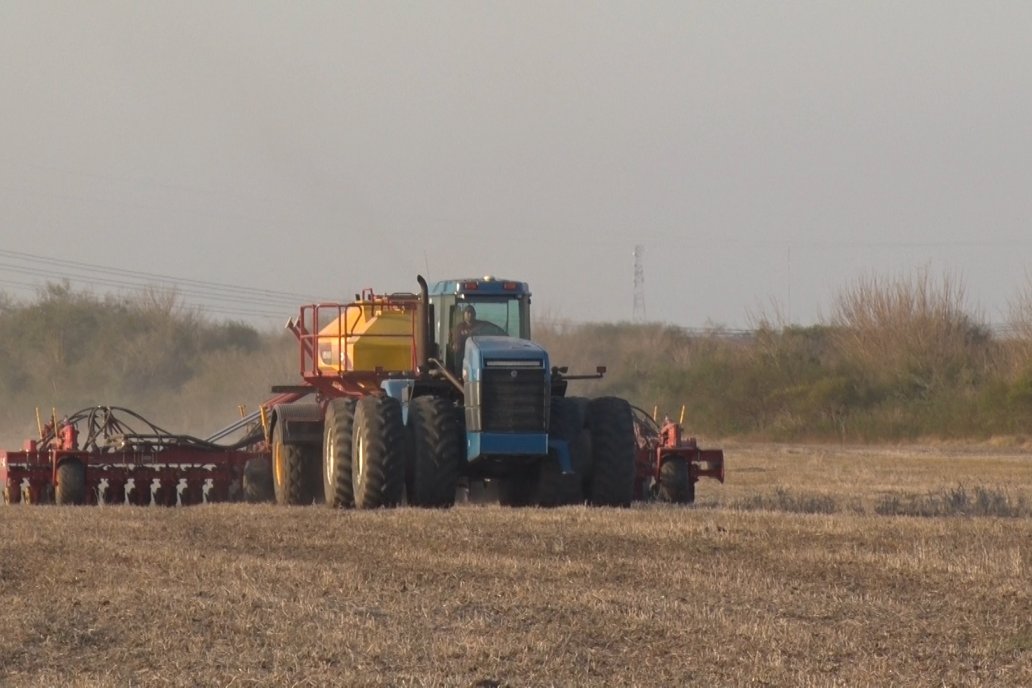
column 367, row 454
column 378, row 453
column 363, row 453
column 610, row 481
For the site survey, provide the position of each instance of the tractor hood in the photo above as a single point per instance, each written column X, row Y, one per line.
column 507, row 386
column 508, row 353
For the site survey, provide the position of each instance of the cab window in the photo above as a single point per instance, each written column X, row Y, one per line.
column 499, row 317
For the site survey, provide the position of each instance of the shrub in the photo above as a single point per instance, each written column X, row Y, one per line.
column 72, row 349
column 910, row 333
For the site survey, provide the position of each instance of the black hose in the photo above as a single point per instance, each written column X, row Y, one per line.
column 104, row 428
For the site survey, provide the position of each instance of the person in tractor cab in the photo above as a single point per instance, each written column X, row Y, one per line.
column 461, row 332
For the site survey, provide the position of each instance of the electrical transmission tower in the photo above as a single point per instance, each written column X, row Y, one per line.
column 639, row 285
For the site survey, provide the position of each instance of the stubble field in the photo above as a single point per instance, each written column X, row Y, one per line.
column 816, row 566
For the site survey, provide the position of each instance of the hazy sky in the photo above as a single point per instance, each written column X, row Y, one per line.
column 765, row 154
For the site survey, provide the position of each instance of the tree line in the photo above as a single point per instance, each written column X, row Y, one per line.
column 187, row 373
column 901, row 358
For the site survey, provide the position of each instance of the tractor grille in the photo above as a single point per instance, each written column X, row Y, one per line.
column 513, row 400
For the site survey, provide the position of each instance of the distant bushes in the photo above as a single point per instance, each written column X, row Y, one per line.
column 911, row 334
column 900, row 359
column 73, row 349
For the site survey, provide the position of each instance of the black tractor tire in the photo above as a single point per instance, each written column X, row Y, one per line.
column 71, row 483
column 578, row 435
column 290, row 477
column 433, row 456
column 338, row 438
column 580, row 404
column 257, row 480
column 378, row 453
column 554, row 488
column 518, row 488
column 313, row 457
column 612, row 452
column 675, row 482
column 580, row 446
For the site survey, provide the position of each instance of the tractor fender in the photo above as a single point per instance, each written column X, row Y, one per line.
column 299, row 423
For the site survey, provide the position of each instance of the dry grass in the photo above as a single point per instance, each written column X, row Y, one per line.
column 887, row 317
column 908, row 329
column 718, row 594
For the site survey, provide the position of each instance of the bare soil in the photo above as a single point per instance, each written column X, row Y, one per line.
column 794, row 573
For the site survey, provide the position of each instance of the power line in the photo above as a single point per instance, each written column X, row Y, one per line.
column 205, row 296
column 191, row 305
column 134, row 286
column 151, row 277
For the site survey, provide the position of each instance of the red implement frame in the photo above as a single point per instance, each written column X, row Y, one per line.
column 115, row 464
column 659, row 444
column 166, row 477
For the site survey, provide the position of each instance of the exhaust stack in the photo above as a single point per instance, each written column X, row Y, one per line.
column 423, row 327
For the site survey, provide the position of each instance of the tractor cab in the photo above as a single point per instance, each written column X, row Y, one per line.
column 477, row 307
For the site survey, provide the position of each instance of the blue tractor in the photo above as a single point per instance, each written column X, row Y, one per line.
column 420, row 396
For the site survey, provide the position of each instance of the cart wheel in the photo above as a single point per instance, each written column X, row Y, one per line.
column 675, row 482
column 289, row 477
column 71, row 483
column 338, row 437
